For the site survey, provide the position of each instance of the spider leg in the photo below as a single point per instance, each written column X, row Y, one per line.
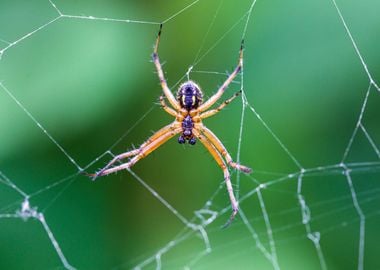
column 218, row 158
column 154, row 141
column 169, row 95
column 143, row 152
column 209, row 113
column 115, row 159
column 222, row 149
column 167, row 108
column 211, row 101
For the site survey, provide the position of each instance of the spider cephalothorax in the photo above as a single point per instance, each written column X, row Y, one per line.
column 189, row 110
column 189, row 95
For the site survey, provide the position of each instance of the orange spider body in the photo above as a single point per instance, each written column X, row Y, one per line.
column 188, row 109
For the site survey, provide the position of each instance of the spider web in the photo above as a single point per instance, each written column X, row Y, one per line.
column 307, row 123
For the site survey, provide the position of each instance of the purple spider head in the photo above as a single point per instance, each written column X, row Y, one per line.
column 189, row 95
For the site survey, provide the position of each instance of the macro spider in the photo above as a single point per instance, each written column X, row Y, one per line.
column 188, row 110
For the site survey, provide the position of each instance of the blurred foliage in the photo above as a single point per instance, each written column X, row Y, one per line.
column 88, row 82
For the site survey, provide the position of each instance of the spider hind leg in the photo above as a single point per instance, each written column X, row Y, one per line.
column 222, row 150
column 153, row 142
column 240, row 167
column 218, row 158
column 143, row 151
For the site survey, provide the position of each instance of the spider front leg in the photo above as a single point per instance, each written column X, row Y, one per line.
column 167, row 108
column 156, row 140
column 218, row 158
column 211, row 101
column 169, row 95
column 209, row 113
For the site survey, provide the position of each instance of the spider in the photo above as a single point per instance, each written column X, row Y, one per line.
column 189, row 110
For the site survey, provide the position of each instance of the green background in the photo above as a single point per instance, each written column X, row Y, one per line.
column 88, row 82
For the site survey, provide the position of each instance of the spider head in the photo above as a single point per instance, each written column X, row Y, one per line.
column 189, row 95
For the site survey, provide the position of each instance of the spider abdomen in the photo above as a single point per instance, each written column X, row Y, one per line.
column 187, row 123
column 187, row 131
